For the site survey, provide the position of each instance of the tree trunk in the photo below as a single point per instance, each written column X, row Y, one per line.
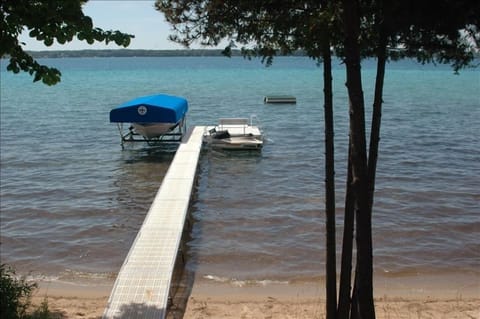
column 331, row 271
column 344, row 299
column 364, row 265
column 377, row 112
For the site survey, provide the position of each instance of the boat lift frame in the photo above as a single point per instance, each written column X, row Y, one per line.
column 174, row 136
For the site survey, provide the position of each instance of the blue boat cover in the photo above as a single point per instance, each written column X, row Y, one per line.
column 159, row 108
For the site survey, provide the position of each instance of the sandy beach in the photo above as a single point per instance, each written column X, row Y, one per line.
column 297, row 301
column 271, row 307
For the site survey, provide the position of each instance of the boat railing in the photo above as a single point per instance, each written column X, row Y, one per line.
column 233, row 122
column 255, row 121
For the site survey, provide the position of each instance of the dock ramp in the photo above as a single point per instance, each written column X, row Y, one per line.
column 142, row 287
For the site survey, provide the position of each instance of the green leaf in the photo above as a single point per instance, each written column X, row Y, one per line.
column 87, row 22
column 61, row 39
column 33, row 33
column 38, row 76
column 118, row 41
column 48, row 41
column 99, row 37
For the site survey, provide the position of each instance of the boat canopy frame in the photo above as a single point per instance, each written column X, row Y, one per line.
column 174, row 136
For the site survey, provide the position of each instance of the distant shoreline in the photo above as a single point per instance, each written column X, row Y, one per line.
column 105, row 53
column 135, row 53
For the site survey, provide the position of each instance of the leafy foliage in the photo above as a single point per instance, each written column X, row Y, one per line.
column 47, row 21
column 14, row 294
column 42, row 312
column 261, row 28
column 444, row 31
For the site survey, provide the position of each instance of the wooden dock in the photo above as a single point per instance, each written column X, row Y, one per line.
column 142, row 287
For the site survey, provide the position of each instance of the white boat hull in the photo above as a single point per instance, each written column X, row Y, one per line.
column 237, row 143
column 152, row 130
column 234, row 134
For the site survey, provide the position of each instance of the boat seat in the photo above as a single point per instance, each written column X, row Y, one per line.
column 221, row 135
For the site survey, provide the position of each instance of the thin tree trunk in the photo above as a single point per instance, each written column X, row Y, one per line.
column 376, row 114
column 331, row 280
column 354, row 310
column 344, row 299
column 364, row 265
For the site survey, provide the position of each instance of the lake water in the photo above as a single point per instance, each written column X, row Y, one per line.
column 72, row 201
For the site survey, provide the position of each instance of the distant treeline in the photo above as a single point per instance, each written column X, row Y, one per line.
column 134, row 53
column 141, row 53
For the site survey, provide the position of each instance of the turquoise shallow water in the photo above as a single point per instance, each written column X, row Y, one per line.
column 72, row 200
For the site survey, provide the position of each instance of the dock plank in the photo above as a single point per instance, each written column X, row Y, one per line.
column 142, row 287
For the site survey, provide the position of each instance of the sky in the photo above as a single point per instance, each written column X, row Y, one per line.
column 137, row 17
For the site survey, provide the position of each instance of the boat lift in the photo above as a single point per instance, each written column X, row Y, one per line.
column 131, row 135
column 153, row 119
